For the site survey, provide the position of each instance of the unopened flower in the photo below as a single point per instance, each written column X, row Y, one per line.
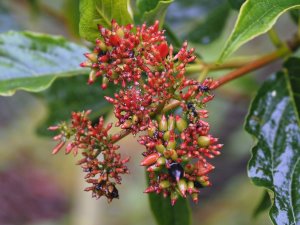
column 100, row 160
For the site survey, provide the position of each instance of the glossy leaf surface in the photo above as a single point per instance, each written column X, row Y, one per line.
column 32, row 61
column 275, row 162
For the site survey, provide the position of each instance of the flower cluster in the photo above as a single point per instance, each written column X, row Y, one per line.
column 177, row 149
column 143, row 64
column 151, row 82
column 100, row 161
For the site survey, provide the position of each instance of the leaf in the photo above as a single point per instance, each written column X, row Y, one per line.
column 295, row 14
column 264, row 204
column 274, row 120
column 158, row 13
column 71, row 9
column 256, row 17
column 236, row 4
column 146, row 5
column 209, row 29
column 166, row 214
column 32, row 61
column 73, row 94
column 94, row 12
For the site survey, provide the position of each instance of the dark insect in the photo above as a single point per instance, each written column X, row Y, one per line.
column 203, row 88
column 198, row 185
column 176, row 171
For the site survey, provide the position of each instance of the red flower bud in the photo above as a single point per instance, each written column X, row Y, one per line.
column 150, row 159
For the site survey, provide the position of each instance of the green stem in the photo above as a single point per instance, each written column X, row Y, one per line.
column 275, row 38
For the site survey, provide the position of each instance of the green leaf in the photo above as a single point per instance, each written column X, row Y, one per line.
column 209, row 29
column 73, row 94
column 32, row 61
column 275, row 164
column 264, row 204
column 158, row 13
column 256, row 17
column 94, row 12
column 295, row 15
column 166, row 214
column 146, row 5
column 71, row 8
column 236, row 4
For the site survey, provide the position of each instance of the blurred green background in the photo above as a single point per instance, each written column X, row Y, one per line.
column 38, row 188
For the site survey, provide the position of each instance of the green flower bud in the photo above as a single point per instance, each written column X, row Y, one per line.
column 92, row 76
column 185, row 158
column 182, row 186
column 161, row 161
column 151, row 131
column 163, row 125
column 203, row 141
column 174, row 196
column 167, row 154
column 181, row 123
column 166, row 136
column 190, row 185
column 171, row 144
column 164, row 184
column 101, row 45
column 171, row 123
column 173, row 155
column 120, row 32
column 189, row 168
column 160, row 148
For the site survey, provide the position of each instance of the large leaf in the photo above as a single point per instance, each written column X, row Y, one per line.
column 32, row 61
column 165, row 214
column 210, row 28
column 275, row 164
column 73, row 94
column 256, row 17
column 158, row 13
column 94, row 12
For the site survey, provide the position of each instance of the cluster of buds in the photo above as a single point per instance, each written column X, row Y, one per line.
column 143, row 63
column 177, row 150
column 151, row 81
column 100, row 161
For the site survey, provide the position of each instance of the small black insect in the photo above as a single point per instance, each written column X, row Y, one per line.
column 203, row 88
column 198, row 185
column 190, row 105
column 176, row 171
column 131, row 54
column 101, row 53
column 113, row 192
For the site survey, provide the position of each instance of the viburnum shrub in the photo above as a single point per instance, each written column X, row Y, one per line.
column 140, row 61
column 155, row 100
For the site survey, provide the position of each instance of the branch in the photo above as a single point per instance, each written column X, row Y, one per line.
column 285, row 50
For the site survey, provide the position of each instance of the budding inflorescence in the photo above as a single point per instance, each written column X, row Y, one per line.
column 151, row 81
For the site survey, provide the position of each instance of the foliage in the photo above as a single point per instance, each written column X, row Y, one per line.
column 275, row 160
column 256, row 17
column 32, row 61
